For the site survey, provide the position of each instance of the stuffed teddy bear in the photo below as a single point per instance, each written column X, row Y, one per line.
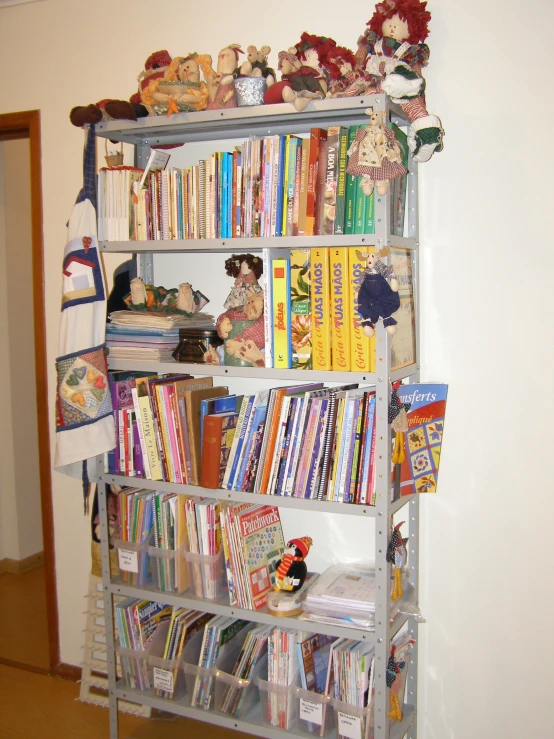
column 181, row 88
column 256, row 65
column 392, row 51
column 375, row 155
column 376, row 297
column 108, row 109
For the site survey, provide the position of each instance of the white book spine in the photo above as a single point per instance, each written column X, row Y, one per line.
column 138, row 416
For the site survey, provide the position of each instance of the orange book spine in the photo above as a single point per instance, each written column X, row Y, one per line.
column 211, row 452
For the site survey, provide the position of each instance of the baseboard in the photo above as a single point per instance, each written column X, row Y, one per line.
column 19, row 566
column 67, row 672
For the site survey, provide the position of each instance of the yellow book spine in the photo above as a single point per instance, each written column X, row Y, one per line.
column 360, row 344
column 321, row 313
column 340, row 310
column 281, row 313
column 150, row 438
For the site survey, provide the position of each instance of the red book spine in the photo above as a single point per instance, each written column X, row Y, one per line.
column 317, row 136
column 158, row 429
column 320, row 186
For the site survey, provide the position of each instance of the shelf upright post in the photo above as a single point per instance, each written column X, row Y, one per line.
column 108, row 600
column 146, row 259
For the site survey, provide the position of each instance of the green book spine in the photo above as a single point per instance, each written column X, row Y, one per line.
column 350, row 190
column 360, row 205
column 341, row 182
column 369, row 226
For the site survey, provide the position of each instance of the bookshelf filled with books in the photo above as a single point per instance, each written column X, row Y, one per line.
column 190, row 580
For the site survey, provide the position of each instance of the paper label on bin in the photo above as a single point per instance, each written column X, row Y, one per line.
column 163, row 680
column 311, row 711
column 128, row 560
column 349, row 726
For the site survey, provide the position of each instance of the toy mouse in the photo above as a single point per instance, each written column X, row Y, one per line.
column 376, row 297
column 291, row 570
column 392, row 50
column 375, row 155
column 255, row 64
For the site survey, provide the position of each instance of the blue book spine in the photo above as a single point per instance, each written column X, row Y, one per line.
column 240, row 443
column 311, row 484
column 286, row 446
column 259, row 417
column 239, row 195
column 224, row 194
column 280, row 185
column 230, row 233
column 291, row 184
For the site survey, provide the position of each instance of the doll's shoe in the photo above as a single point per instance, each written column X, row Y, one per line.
column 425, row 136
column 382, row 187
column 403, row 84
column 367, row 186
column 120, row 110
column 82, row 114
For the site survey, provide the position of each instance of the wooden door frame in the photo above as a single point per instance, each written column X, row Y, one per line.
column 26, row 124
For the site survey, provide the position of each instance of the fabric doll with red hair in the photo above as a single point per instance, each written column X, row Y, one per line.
column 392, row 51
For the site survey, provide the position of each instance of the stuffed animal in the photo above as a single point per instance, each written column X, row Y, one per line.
column 108, row 109
column 375, row 155
column 397, row 555
column 291, row 570
column 256, row 65
column 181, row 88
column 182, row 300
column 345, row 79
column 299, row 83
column 376, row 297
column 392, row 51
column 220, row 83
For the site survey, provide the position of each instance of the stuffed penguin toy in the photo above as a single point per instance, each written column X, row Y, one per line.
column 291, row 570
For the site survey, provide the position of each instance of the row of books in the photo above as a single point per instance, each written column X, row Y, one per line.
column 312, row 316
column 281, row 185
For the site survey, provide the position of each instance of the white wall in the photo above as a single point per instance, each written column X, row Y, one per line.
column 19, row 479
column 485, row 206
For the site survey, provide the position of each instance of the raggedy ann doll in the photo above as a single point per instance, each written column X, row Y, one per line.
column 392, row 50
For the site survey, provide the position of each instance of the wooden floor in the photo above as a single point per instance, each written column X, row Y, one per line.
column 23, row 624
column 34, row 706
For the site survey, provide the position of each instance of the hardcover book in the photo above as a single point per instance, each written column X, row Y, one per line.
column 340, row 309
column 219, row 431
column 340, row 206
column 361, row 346
column 318, row 138
column 301, row 312
column 321, row 317
column 282, row 349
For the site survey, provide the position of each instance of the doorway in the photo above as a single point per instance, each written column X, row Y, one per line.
column 28, row 598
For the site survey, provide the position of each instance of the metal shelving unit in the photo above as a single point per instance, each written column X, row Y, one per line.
column 264, row 121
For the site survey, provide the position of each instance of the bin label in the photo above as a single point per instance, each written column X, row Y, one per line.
column 349, row 726
column 163, row 680
column 128, row 560
column 311, row 711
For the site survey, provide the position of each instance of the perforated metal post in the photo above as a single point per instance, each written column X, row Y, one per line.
column 108, row 609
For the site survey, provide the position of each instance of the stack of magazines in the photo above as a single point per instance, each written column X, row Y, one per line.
column 345, row 595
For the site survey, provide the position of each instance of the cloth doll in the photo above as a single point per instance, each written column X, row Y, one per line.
column 376, row 297
column 180, row 89
column 392, row 51
column 221, row 86
column 375, row 155
column 245, row 268
column 345, row 79
column 299, row 83
column 109, row 109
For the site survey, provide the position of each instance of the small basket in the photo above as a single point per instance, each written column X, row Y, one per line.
column 114, row 158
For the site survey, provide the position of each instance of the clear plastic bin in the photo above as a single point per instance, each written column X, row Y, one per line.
column 279, row 704
column 316, row 715
column 165, row 565
column 134, row 668
column 165, row 675
column 235, row 697
column 134, row 562
column 352, row 722
column 206, row 575
column 201, row 680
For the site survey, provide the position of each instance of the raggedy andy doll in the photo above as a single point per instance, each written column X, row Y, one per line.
column 392, row 50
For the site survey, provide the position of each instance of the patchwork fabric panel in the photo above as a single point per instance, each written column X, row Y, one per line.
column 83, row 388
column 82, row 277
column 424, row 446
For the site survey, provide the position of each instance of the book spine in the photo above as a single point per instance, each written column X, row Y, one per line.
column 327, row 442
column 304, row 166
column 341, row 182
column 360, row 206
column 140, row 429
column 350, row 487
column 137, row 451
column 307, row 449
column 345, row 450
column 315, row 462
column 268, row 308
column 158, row 430
column 321, row 318
column 369, row 222
column 280, row 271
column 177, row 432
column 274, row 184
column 280, row 185
column 285, row 185
column 300, row 307
column 296, row 198
column 211, row 452
column 327, row 226
column 340, row 313
column 363, row 470
column 235, row 156
column 359, row 343
column 321, row 179
column 150, row 438
column 316, row 135
column 164, row 425
column 239, row 205
column 246, row 402
column 291, row 183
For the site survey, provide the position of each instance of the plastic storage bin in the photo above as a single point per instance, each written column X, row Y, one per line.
column 206, row 575
column 235, row 697
column 134, row 668
column 316, row 714
column 134, row 562
column 166, row 569
column 351, row 721
column 279, row 704
column 165, row 675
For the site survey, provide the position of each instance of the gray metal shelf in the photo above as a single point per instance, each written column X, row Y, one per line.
column 211, row 370
column 257, row 120
column 222, row 608
column 319, row 506
column 252, row 724
column 225, row 246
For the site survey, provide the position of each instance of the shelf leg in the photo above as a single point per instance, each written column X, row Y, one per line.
column 108, row 606
column 413, row 578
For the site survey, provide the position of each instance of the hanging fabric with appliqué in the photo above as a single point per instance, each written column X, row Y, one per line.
column 84, row 419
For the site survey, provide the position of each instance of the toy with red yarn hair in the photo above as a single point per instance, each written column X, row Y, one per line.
column 392, row 53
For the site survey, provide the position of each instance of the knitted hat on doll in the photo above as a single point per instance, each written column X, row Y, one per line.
column 303, row 544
